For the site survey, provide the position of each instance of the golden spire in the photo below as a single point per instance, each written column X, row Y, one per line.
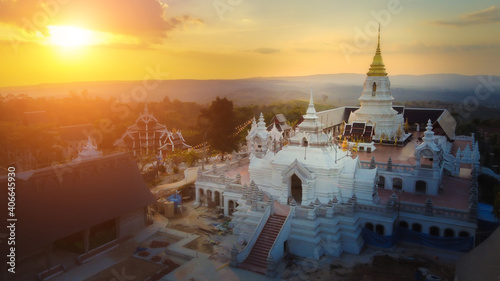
column 377, row 68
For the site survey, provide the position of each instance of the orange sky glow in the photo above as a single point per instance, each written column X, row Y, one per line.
column 55, row 41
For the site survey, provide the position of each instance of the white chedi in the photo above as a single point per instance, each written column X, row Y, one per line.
column 89, row 151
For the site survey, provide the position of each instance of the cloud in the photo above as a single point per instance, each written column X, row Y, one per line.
column 488, row 15
column 422, row 48
column 265, row 51
column 306, row 50
column 145, row 19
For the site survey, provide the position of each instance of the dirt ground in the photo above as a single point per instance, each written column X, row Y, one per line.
column 132, row 267
column 170, row 178
column 382, row 268
column 198, row 221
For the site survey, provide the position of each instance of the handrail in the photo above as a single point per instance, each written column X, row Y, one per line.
column 243, row 254
column 445, row 212
column 286, row 224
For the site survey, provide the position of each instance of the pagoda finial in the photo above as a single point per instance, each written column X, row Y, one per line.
column 378, row 40
column 311, row 97
column 89, row 142
column 146, row 107
column 377, row 68
column 311, row 111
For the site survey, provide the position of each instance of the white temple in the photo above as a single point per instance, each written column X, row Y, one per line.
column 376, row 102
column 314, row 197
column 89, row 151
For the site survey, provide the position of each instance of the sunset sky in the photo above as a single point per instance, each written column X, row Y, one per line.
column 53, row 41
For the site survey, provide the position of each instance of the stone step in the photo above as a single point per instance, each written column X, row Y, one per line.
column 260, row 251
column 275, row 221
column 272, row 228
column 254, row 268
column 266, row 244
column 268, row 238
column 257, row 259
column 272, row 234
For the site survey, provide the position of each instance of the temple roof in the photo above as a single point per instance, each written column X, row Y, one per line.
column 147, row 132
column 36, row 118
column 55, row 202
column 442, row 120
column 75, row 132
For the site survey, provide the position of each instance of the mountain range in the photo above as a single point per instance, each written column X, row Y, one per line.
column 336, row 89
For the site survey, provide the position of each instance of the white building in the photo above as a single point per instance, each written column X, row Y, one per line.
column 312, row 198
column 376, row 103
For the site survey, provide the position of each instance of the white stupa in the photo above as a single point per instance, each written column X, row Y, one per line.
column 89, row 151
column 376, row 102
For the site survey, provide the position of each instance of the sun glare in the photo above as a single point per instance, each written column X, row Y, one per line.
column 70, row 36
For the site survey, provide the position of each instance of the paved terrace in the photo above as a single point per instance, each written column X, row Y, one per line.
column 455, row 195
column 242, row 170
column 399, row 155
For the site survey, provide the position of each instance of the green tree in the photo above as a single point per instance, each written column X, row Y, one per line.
column 220, row 124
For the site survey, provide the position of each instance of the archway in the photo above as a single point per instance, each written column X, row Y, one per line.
column 449, row 232
column 296, row 189
column 369, row 226
column 434, row 231
column 420, row 187
column 403, row 224
column 463, row 234
column 209, row 196
column 381, row 181
column 380, row 229
column 201, row 194
column 416, row 227
column 231, row 207
column 217, row 198
column 397, row 183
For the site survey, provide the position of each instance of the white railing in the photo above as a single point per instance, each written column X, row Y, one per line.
column 218, row 176
column 383, row 166
column 371, row 209
column 213, row 178
column 463, row 138
column 243, row 254
column 436, row 211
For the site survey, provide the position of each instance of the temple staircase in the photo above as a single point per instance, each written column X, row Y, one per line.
column 257, row 259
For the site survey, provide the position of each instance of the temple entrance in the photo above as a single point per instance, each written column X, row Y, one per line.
column 296, row 189
column 231, row 207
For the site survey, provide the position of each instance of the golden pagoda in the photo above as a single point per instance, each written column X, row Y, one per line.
column 377, row 68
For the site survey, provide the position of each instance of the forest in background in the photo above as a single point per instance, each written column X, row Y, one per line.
column 110, row 118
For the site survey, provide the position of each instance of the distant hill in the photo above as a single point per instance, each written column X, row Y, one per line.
column 338, row 89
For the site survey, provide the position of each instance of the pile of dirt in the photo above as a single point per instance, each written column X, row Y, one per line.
column 201, row 245
column 386, row 268
column 382, row 268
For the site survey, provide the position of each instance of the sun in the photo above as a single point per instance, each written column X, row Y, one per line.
column 70, row 36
